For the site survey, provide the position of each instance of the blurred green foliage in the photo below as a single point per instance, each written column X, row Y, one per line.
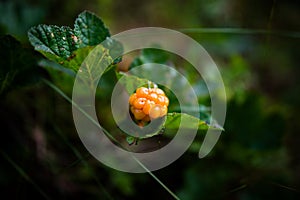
column 18, row 65
column 258, row 155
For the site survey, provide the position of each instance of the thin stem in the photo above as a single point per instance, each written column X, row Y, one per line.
column 106, row 132
column 283, row 33
column 271, row 15
column 77, row 107
column 155, row 178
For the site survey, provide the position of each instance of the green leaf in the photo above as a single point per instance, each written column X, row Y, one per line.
column 115, row 49
column 130, row 140
column 131, row 82
column 59, row 41
column 70, row 47
column 174, row 121
column 205, row 111
column 90, row 29
column 145, row 132
column 48, row 64
column 169, row 125
column 18, row 65
column 74, row 61
column 95, row 64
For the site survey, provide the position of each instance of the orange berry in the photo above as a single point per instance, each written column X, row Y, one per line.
column 147, row 107
column 153, row 97
column 132, row 109
column 142, row 92
column 132, row 98
column 138, row 113
column 161, row 100
column 163, row 111
column 158, row 91
column 148, row 103
column 155, row 112
column 139, row 103
column 166, row 101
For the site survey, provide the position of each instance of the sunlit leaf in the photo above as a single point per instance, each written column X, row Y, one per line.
column 74, row 61
column 70, row 47
column 183, row 120
column 130, row 140
column 59, row 41
column 131, row 82
column 96, row 63
column 90, row 29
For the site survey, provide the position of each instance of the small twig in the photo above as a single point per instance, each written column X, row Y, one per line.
column 108, row 134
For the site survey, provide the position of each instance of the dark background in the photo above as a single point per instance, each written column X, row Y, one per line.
column 257, row 157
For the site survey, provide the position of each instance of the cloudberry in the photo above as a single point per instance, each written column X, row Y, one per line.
column 148, row 103
column 142, row 92
column 139, row 103
column 132, row 99
column 137, row 113
column 147, row 107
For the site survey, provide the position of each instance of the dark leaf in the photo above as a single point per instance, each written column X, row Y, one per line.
column 18, row 65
